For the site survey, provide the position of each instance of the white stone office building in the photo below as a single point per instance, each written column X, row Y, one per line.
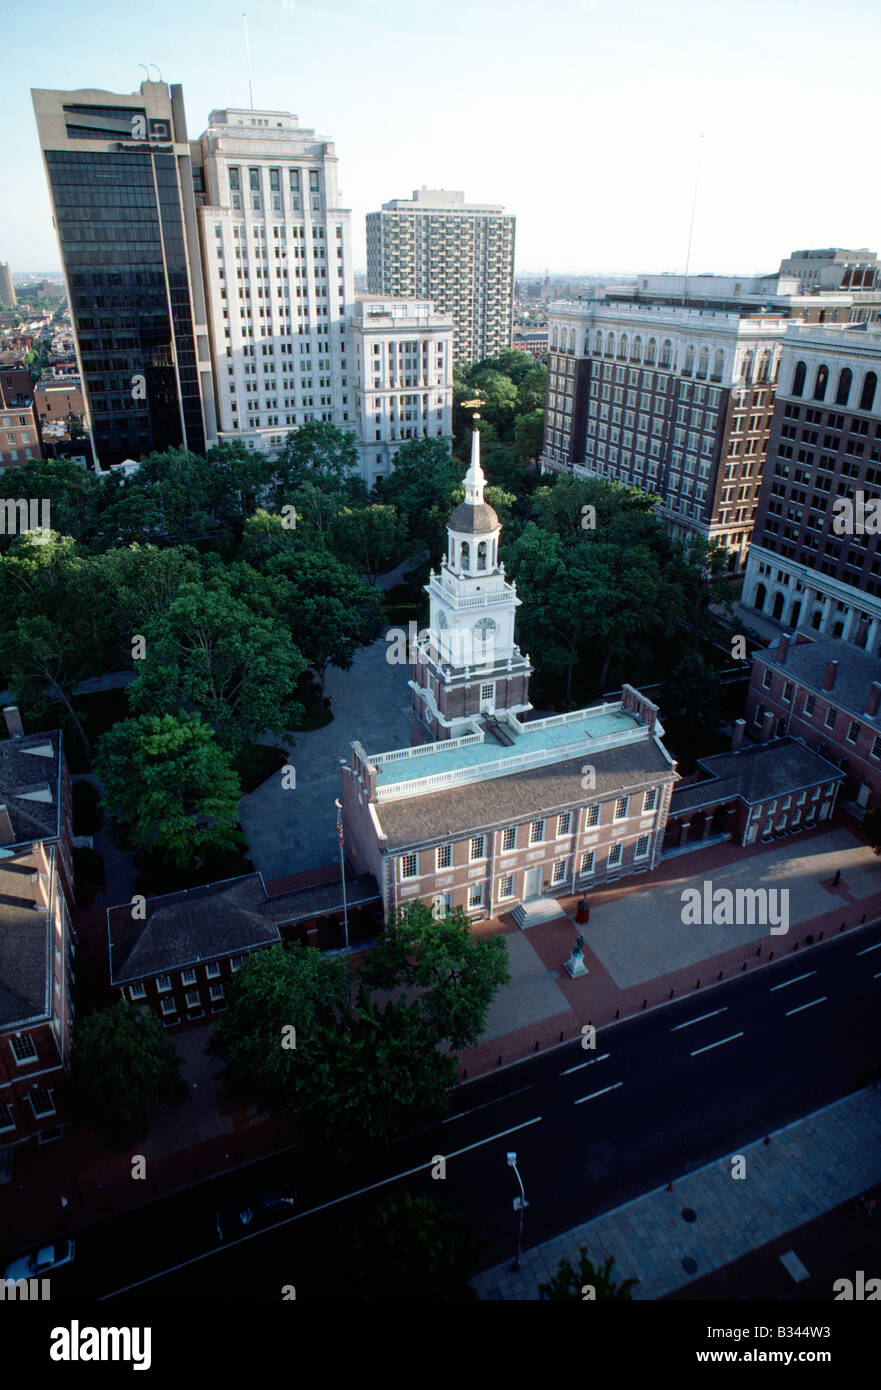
column 459, row 255
column 401, row 356
column 277, row 259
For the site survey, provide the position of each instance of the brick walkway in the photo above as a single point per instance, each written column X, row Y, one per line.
column 597, row 999
column 808, row 1168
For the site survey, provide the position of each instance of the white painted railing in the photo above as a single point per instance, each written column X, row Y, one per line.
column 499, row 766
column 490, row 597
column 553, row 720
column 420, row 750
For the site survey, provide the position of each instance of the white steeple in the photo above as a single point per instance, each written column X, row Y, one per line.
column 474, row 478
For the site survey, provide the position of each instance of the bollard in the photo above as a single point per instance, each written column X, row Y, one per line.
column 841, row 929
column 770, row 955
column 617, row 1011
column 743, row 967
column 499, row 1062
column 863, row 918
column 671, row 994
column 820, row 937
column 698, row 985
column 536, row 1045
column 644, row 1002
column 758, row 950
column 464, row 1073
column 561, row 1035
column 795, row 945
column 721, row 974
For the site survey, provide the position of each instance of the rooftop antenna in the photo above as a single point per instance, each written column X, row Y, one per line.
column 691, row 223
column 248, row 54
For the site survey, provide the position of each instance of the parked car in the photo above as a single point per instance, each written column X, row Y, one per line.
column 253, row 1212
column 42, row 1262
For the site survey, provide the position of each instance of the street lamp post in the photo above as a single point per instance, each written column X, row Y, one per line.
column 520, row 1204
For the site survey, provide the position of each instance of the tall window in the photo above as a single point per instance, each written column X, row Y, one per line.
column 688, row 369
column 478, row 847
column 481, row 555
column 509, row 838
column 867, row 395
column 798, row 378
column 651, row 353
column 23, row 1049
column 642, row 847
column 614, row 856
column 558, row 874
column 536, row 832
column 587, row 861
column 475, row 895
column 820, row 381
column 845, row 377
column 444, row 856
column 506, row 886
column 666, row 353
column 593, row 815
column 409, row 865
column 621, row 807
column 650, row 800
column 564, row 823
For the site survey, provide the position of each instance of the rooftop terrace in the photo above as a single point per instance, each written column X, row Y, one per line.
column 477, row 757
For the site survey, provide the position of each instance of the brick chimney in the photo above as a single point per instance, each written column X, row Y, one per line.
column 767, row 728
column 7, row 834
column 737, row 737
column 873, row 699
column 831, row 673
column 13, row 721
column 783, row 647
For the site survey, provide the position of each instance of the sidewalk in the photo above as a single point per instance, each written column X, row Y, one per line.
column 707, row 1219
column 638, row 955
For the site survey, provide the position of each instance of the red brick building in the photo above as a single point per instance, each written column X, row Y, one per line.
column 826, row 693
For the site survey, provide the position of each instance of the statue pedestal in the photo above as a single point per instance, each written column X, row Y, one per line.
column 575, row 965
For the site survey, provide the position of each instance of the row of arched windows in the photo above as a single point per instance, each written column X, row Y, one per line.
column 622, row 348
column 867, row 393
column 484, row 553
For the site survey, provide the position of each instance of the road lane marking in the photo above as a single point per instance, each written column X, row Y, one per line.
column 589, row 1063
column 793, row 981
column 593, row 1095
column 497, row 1100
column 821, row 1000
column 866, row 949
column 721, row 1041
column 699, row 1020
column 298, row 1216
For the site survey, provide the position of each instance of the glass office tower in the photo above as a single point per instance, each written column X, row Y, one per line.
column 121, row 184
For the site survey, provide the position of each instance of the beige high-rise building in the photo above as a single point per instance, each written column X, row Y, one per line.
column 7, row 289
column 459, row 255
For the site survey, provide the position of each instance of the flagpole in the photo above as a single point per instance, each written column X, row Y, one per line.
column 339, row 826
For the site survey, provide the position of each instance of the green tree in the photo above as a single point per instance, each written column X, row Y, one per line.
column 422, row 486
column 169, row 786
column 124, row 1063
column 330, row 610
column 316, row 471
column 277, row 989
column 529, row 436
column 217, row 653
column 454, row 973
column 372, row 538
column 52, row 631
column 570, row 1285
column 411, row 1250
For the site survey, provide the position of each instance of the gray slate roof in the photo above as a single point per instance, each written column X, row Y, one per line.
column 29, row 768
column 475, row 518
column 25, row 946
column 756, row 773
column 520, row 796
column 184, row 928
column 219, row 919
column 806, row 662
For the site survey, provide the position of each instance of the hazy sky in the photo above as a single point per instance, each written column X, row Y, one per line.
column 583, row 117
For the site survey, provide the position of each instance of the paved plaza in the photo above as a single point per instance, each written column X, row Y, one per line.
column 292, row 831
column 642, row 936
column 808, row 1168
column 532, row 994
